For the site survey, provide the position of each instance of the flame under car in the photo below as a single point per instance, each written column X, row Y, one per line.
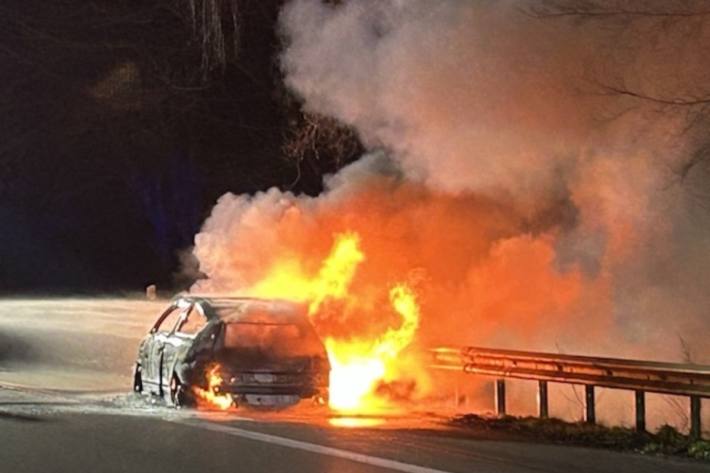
column 227, row 351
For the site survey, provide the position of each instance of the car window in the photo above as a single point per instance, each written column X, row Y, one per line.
column 168, row 321
column 195, row 322
column 275, row 340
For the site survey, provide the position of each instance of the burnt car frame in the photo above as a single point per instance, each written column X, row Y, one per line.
column 264, row 349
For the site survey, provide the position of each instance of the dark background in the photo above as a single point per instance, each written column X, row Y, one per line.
column 122, row 122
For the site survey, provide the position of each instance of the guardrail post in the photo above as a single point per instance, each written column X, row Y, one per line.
column 500, row 397
column 590, row 416
column 695, row 425
column 542, row 408
column 640, row 411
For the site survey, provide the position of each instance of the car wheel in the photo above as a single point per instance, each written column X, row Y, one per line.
column 180, row 394
column 137, row 379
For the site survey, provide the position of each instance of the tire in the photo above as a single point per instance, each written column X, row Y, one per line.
column 137, row 379
column 180, row 395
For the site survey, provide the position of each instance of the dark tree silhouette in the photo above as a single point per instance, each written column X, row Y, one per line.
column 122, row 122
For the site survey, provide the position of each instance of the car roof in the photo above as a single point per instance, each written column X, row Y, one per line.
column 235, row 309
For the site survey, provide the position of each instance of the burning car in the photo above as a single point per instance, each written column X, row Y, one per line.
column 224, row 351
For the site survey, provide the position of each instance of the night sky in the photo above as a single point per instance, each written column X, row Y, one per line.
column 120, row 129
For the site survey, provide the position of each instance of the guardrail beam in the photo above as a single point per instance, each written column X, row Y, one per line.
column 676, row 379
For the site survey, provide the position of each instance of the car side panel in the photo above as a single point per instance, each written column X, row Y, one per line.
column 175, row 348
column 155, row 362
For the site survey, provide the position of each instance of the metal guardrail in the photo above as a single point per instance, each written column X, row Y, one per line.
column 678, row 379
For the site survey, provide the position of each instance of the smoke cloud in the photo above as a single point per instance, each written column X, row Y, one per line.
column 527, row 210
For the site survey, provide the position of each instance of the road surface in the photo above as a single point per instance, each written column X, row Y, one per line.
column 64, row 366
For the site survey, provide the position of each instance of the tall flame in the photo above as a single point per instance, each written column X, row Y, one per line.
column 288, row 280
column 337, row 271
column 358, row 364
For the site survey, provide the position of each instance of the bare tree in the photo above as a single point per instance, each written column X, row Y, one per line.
column 215, row 25
column 135, row 112
column 675, row 28
column 321, row 143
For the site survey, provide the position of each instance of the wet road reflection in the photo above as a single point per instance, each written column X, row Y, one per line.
column 355, row 422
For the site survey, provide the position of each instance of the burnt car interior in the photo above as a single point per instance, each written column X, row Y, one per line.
column 270, row 340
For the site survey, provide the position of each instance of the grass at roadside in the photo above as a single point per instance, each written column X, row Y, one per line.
column 667, row 440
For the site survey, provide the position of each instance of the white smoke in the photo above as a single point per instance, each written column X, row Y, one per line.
column 468, row 96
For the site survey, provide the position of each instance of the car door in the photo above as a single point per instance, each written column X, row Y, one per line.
column 154, row 347
column 175, row 344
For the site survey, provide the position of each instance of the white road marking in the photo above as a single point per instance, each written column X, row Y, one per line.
column 315, row 448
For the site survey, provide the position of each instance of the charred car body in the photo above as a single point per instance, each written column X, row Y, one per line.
column 263, row 352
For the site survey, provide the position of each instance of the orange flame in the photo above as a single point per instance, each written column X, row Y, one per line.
column 211, row 395
column 358, row 365
column 288, row 280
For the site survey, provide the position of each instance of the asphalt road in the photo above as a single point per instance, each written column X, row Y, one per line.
column 64, row 408
column 42, row 431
